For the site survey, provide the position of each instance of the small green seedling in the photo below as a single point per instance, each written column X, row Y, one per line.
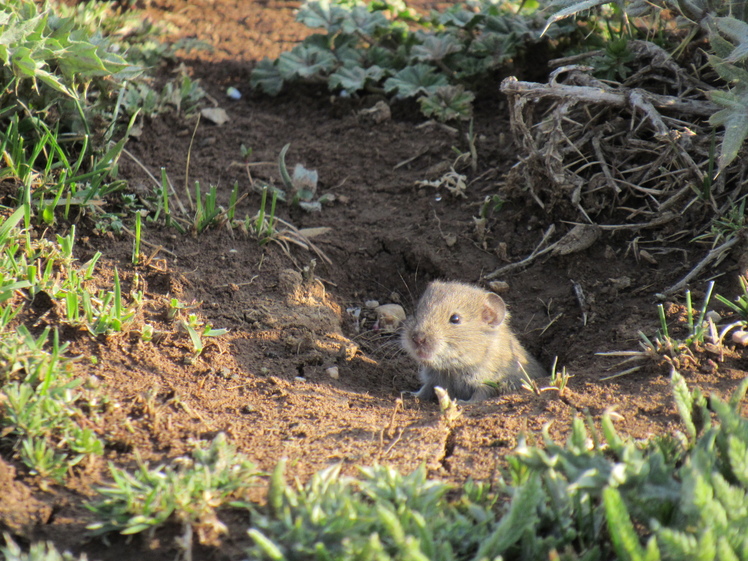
column 175, row 306
column 196, row 330
column 136, row 242
column 740, row 305
column 559, row 380
column 206, row 209
column 263, row 224
column 302, row 186
column 146, row 332
column 664, row 346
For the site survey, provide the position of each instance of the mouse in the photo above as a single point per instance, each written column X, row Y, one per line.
column 461, row 339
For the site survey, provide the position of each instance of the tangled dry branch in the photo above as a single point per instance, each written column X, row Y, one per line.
column 635, row 156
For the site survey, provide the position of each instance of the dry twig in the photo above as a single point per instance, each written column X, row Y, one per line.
column 624, row 157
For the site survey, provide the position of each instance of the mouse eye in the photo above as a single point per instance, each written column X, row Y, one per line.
column 455, row 319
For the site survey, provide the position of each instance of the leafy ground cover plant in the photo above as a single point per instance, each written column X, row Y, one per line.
column 61, row 77
column 40, row 398
column 188, row 491
column 343, row 518
column 598, row 496
column 57, row 73
column 386, row 47
column 581, row 500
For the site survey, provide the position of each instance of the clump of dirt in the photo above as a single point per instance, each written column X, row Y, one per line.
column 293, row 377
column 20, row 511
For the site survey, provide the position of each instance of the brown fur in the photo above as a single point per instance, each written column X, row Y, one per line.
column 460, row 357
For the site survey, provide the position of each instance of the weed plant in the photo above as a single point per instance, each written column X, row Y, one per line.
column 664, row 346
column 187, row 491
column 62, row 71
column 385, row 47
column 54, row 72
column 599, row 496
column 39, row 397
column 39, row 551
column 197, row 331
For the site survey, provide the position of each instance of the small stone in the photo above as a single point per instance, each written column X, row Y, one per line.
column 371, row 304
column 714, row 316
column 502, row 250
column 378, row 114
column 215, row 115
column 389, row 317
column 499, row 287
column 333, row 372
column 621, row 283
column 740, row 338
column 644, row 254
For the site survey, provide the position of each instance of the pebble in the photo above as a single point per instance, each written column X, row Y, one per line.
column 740, row 337
column 333, row 372
column 714, row 316
column 498, row 287
column 389, row 317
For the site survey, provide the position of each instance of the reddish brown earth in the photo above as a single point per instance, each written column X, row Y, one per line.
column 265, row 384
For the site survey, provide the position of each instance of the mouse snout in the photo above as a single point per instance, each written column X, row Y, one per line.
column 422, row 346
column 418, row 338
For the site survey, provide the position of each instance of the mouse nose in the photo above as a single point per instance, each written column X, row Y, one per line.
column 419, row 338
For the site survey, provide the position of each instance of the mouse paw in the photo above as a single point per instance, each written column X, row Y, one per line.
column 426, row 393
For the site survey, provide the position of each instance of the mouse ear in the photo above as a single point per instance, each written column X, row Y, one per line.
column 494, row 310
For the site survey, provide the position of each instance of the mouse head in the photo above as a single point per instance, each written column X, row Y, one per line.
column 458, row 303
column 454, row 325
